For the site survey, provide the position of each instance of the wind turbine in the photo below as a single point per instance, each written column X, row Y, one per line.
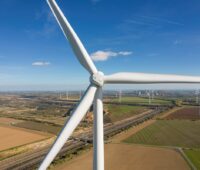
column 152, row 95
column 197, row 99
column 197, row 96
column 93, row 93
column 149, row 96
column 67, row 95
column 120, row 96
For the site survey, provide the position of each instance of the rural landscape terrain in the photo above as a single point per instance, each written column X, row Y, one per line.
column 142, row 130
column 99, row 85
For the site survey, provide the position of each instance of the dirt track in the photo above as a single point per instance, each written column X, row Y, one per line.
column 129, row 157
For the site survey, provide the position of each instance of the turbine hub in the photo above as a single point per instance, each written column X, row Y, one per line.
column 97, row 79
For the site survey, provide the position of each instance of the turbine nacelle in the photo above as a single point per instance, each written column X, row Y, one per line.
column 97, row 79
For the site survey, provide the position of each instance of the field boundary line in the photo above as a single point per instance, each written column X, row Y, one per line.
column 192, row 166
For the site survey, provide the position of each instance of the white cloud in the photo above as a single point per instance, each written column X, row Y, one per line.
column 41, row 63
column 105, row 55
column 125, row 53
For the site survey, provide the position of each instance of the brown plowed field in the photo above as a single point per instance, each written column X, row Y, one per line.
column 190, row 113
column 129, row 157
column 12, row 137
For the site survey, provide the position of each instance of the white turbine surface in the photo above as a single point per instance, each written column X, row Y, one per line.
column 94, row 93
column 145, row 78
column 70, row 125
column 75, row 42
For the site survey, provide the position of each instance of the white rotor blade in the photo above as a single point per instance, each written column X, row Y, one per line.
column 70, row 125
column 144, row 78
column 75, row 42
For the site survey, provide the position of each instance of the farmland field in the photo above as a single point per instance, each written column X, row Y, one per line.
column 182, row 133
column 9, row 121
column 13, row 137
column 141, row 100
column 119, row 112
column 44, row 127
column 194, row 156
column 129, row 157
column 190, row 113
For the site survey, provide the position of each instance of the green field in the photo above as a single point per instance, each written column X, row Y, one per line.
column 141, row 100
column 119, row 112
column 44, row 127
column 194, row 156
column 181, row 133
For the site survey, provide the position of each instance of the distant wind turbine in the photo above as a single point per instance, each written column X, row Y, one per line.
column 197, row 96
column 152, row 95
column 67, row 95
column 80, row 93
column 94, row 93
column 120, row 96
column 149, row 95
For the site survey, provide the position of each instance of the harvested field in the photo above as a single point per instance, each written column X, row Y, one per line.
column 11, row 110
column 129, row 157
column 26, row 148
column 125, row 134
column 44, row 127
column 141, row 100
column 182, row 133
column 9, row 121
column 165, row 114
column 133, row 130
column 119, row 112
column 190, row 113
column 13, row 137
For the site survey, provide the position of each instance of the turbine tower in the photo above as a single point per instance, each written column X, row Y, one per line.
column 149, row 96
column 152, row 95
column 197, row 96
column 93, row 93
column 67, row 95
column 120, row 96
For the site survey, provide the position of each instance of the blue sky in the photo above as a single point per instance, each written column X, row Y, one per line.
column 156, row 36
